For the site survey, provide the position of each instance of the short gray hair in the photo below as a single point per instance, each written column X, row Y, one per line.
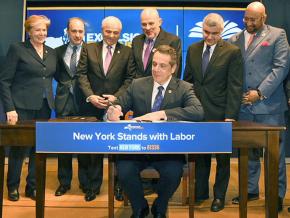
column 213, row 20
column 111, row 19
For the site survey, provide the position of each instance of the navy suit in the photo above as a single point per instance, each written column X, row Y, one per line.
column 179, row 103
column 26, row 87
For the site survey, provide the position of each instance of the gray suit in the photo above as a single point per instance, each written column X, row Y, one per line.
column 179, row 103
column 266, row 66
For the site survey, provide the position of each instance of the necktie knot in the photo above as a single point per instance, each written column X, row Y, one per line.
column 75, row 48
column 160, row 88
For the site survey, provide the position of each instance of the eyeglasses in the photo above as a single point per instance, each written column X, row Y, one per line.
column 251, row 19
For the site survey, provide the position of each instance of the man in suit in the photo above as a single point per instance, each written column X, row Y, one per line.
column 105, row 70
column 215, row 68
column 158, row 97
column 69, row 98
column 153, row 36
column 265, row 52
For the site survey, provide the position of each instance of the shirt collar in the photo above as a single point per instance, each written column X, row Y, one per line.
column 156, row 85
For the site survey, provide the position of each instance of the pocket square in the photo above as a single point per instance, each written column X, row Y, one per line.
column 265, row 43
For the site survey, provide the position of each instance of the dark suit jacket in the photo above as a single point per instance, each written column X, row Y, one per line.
column 25, row 77
column 66, row 81
column 92, row 79
column 179, row 102
column 220, row 90
column 164, row 38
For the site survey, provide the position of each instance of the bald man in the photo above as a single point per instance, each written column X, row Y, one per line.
column 265, row 52
column 153, row 36
column 105, row 70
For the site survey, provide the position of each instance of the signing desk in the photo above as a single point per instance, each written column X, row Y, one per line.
column 245, row 135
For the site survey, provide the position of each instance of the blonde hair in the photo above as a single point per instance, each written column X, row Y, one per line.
column 34, row 20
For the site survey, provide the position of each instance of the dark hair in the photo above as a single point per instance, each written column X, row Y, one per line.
column 168, row 50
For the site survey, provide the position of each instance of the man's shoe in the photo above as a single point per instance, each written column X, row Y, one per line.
column 30, row 193
column 155, row 213
column 118, row 192
column 91, row 194
column 141, row 213
column 217, row 205
column 61, row 190
column 280, row 204
column 251, row 197
column 13, row 195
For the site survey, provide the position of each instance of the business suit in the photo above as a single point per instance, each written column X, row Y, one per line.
column 164, row 38
column 179, row 103
column 93, row 81
column 68, row 101
column 26, row 86
column 220, row 91
column 266, row 64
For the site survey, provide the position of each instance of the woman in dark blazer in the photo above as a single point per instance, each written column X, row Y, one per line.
column 26, row 92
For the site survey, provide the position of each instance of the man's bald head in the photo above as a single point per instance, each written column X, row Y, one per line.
column 150, row 22
column 257, row 7
column 255, row 17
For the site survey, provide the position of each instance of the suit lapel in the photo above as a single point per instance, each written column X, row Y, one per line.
column 148, row 93
column 62, row 52
column 140, row 52
column 33, row 52
column 214, row 56
column 169, row 92
column 116, row 57
column 258, row 38
column 99, row 55
column 198, row 59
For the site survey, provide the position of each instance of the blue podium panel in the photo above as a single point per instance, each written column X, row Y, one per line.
column 133, row 137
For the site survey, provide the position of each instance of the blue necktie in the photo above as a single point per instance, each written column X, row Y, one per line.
column 205, row 59
column 158, row 100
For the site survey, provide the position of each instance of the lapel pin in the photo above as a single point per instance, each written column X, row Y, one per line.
column 169, row 91
column 45, row 51
column 118, row 51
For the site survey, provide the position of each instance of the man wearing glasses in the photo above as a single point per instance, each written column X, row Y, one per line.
column 265, row 52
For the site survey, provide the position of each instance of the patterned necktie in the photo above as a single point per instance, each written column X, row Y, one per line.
column 205, row 59
column 158, row 100
column 147, row 53
column 251, row 38
column 73, row 61
column 108, row 59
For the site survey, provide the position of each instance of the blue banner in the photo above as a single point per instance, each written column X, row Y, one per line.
column 133, row 137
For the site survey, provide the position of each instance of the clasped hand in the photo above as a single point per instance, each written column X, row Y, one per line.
column 250, row 97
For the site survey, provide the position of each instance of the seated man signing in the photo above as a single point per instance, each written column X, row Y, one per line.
column 157, row 97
